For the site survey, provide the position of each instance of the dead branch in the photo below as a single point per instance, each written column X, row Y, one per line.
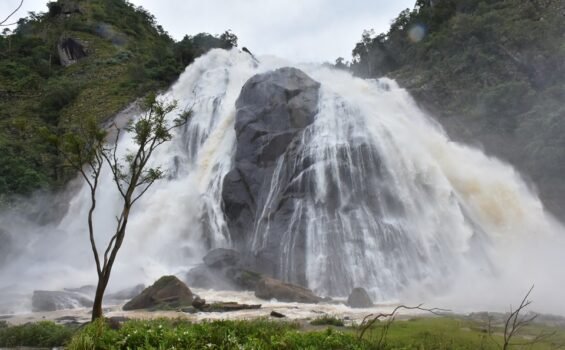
column 369, row 320
column 12, row 13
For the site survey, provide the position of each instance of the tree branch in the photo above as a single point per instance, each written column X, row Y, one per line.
column 365, row 325
column 13, row 12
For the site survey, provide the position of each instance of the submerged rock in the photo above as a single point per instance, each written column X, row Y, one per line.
column 167, row 292
column 228, row 307
column 359, row 298
column 45, row 300
column 270, row 288
column 277, row 314
column 198, row 302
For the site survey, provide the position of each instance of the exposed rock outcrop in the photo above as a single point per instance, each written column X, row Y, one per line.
column 70, row 50
column 273, row 109
column 270, row 288
column 167, row 292
column 359, row 298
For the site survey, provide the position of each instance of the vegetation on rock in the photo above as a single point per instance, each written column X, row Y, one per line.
column 492, row 70
column 128, row 55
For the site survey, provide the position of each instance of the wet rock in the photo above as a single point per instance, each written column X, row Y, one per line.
column 198, row 302
column 221, row 258
column 271, row 112
column 277, row 314
column 270, row 288
column 243, row 279
column 359, row 298
column 44, row 300
column 167, row 292
column 228, row 307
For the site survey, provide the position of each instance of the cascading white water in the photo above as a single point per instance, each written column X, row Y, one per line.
column 395, row 206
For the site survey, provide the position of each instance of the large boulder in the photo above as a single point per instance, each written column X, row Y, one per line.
column 46, row 300
column 167, row 292
column 272, row 112
column 270, row 288
column 359, row 298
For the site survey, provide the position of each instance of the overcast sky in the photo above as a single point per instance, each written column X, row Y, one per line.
column 300, row 30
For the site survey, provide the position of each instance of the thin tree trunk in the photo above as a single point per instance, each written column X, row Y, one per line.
column 97, row 311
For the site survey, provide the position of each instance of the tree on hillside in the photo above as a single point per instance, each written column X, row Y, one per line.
column 86, row 151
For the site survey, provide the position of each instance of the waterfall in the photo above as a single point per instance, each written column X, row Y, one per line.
column 389, row 202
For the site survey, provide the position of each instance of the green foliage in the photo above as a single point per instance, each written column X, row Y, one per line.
column 168, row 334
column 418, row 333
column 41, row 334
column 129, row 56
column 490, row 70
column 327, row 320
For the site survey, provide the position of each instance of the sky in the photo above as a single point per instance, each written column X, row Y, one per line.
column 298, row 30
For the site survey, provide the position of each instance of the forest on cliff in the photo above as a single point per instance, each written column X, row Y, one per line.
column 80, row 59
column 491, row 71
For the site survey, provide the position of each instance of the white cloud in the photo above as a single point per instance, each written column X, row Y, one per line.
column 303, row 30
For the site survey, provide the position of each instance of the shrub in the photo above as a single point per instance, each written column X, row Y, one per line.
column 41, row 334
column 327, row 320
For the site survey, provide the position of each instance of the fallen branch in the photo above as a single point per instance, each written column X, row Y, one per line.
column 369, row 320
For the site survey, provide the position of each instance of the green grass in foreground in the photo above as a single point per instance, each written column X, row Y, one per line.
column 417, row 334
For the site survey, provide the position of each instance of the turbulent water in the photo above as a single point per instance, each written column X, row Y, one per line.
column 395, row 206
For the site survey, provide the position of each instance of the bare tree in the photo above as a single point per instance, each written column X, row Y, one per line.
column 86, row 150
column 516, row 321
column 371, row 319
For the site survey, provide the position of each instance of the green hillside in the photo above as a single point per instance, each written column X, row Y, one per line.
column 121, row 54
column 492, row 71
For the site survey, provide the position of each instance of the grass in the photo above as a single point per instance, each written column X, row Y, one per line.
column 418, row 334
column 440, row 333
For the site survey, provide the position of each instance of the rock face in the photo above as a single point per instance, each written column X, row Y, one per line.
column 270, row 288
column 359, row 298
column 273, row 109
column 44, row 300
column 70, row 50
column 167, row 292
